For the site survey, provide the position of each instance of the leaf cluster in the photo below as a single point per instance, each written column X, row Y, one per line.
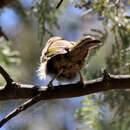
column 115, row 22
column 44, row 10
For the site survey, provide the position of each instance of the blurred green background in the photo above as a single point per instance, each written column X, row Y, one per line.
column 29, row 23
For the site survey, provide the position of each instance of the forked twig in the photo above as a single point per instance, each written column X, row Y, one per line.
column 23, row 107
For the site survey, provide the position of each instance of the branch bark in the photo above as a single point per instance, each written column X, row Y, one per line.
column 25, row 91
column 37, row 93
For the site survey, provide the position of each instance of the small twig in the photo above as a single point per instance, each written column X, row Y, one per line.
column 58, row 5
column 6, row 76
column 23, row 107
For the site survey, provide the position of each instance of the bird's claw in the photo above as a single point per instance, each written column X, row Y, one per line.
column 81, row 81
column 50, row 85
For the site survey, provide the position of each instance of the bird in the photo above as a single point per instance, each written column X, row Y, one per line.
column 63, row 60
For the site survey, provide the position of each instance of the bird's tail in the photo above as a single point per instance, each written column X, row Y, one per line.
column 87, row 42
column 81, row 47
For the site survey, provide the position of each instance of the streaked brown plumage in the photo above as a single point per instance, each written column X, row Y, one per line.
column 63, row 59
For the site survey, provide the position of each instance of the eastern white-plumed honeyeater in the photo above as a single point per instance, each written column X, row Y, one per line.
column 62, row 59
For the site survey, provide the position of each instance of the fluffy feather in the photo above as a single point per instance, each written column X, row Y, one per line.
column 59, row 54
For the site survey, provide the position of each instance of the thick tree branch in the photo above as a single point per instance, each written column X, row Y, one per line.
column 24, row 91
column 108, row 82
column 36, row 93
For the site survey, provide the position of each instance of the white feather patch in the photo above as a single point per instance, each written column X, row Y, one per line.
column 42, row 71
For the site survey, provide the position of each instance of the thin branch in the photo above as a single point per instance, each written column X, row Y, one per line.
column 59, row 4
column 6, row 76
column 19, row 109
column 22, row 107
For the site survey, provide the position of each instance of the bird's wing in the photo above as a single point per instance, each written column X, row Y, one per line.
column 42, row 71
column 47, row 45
column 58, row 47
column 53, row 47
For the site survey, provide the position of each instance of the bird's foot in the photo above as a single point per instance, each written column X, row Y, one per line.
column 50, row 85
column 81, row 81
